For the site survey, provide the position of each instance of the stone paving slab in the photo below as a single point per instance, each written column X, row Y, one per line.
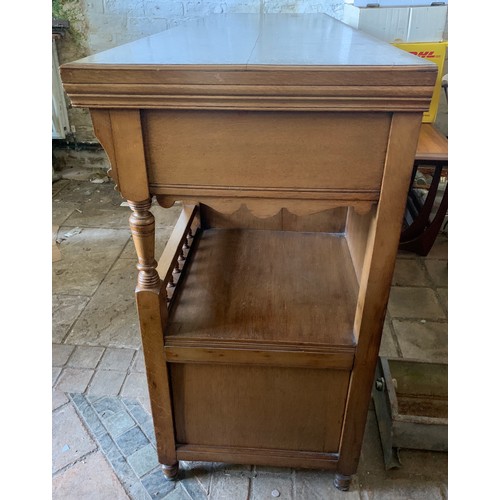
column 70, row 439
column 61, row 211
column 55, row 374
column 65, row 311
column 135, row 386
column 101, row 213
column 314, row 485
column 138, row 364
column 440, row 248
column 132, row 455
column 426, row 341
column 85, row 357
column 61, row 354
column 86, row 259
column 74, row 379
column 410, row 272
column 438, row 270
column 110, row 318
column 388, row 345
column 116, row 359
column 443, row 297
column 59, row 399
column 58, row 186
column 106, row 383
column 89, row 479
column 415, row 302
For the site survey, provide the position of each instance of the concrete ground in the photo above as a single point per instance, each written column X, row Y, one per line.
column 103, row 442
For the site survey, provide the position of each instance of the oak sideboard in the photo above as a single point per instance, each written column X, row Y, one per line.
column 289, row 140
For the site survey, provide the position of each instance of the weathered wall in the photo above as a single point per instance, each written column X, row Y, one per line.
column 98, row 25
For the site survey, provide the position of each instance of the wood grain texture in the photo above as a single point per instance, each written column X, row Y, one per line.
column 258, row 456
column 266, row 287
column 269, row 203
column 152, row 311
column 265, row 150
column 131, row 174
column 223, row 406
column 328, row 221
column 432, row 144
column 262, row 355
column 388, row 79
column 357, row 230
column 142, row 227
column 375, row 283
column 168, row 259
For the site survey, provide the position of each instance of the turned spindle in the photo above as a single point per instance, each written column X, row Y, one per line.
column 142, row 225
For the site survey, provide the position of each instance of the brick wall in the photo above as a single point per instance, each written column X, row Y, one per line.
column 98, row 25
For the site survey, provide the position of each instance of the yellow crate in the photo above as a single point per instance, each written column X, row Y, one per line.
column 435, row 52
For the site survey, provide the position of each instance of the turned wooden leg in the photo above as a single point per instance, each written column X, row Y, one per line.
column 152, row 309
column 142, row 226
column 342, row 482
column 171, row 471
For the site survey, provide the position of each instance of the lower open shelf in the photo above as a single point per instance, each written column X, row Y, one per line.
column 282, row 289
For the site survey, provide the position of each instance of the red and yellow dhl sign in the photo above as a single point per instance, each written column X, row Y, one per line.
column 436, row 51
column 427, row 54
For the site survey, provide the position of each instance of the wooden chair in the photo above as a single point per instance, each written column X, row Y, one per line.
column 423, row 221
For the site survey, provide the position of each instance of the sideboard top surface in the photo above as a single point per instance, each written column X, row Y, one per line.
column 254, row 40
column 254, row 62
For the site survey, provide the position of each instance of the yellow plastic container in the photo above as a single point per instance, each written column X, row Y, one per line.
column 435, row 52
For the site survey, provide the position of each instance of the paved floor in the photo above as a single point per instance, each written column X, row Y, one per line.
column 103, row 442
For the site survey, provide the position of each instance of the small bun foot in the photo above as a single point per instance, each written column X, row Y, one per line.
column 171, row 471
column 342, row 482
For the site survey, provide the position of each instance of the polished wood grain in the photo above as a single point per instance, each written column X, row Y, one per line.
column 168, row 259
column 375, row 283
column 152, row 308
column 201, row 148
column 326, row 221
column 259, row 354
column 357, row 231
column 129, row 156
column 269, row 287
column 432, row 144
column 258, row 456
column 216, row 406
column 266, row 203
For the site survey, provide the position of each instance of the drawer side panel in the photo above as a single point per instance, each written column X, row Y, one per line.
column 259, row 407
column 293, row 150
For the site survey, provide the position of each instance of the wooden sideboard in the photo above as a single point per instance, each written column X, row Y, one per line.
column 290, row 141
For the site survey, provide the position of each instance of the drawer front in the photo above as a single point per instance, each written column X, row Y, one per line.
column 258, row 406
column 287, row 151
